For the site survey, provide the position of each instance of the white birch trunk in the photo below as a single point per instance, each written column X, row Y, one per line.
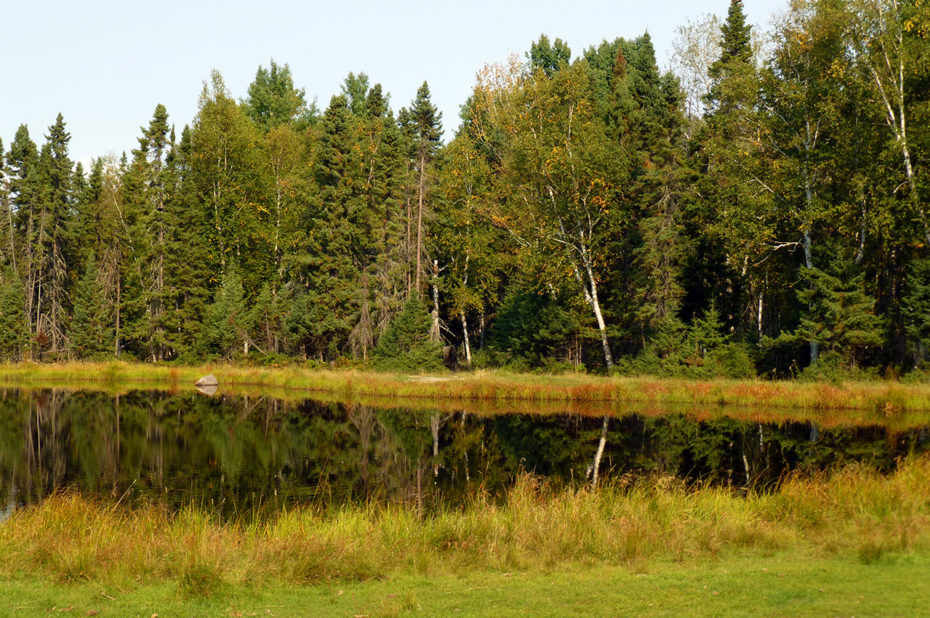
column 465, row 335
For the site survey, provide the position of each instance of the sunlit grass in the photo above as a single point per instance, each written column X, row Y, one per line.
column 853, row 513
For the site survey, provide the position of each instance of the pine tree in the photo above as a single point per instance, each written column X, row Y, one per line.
column 427, row 121
column 150, row 186
column 52, row 284
column 916, row 310
column 227, row 321
column 90, row 333
column 14, row 334
column 841, row 315
column 406, row 344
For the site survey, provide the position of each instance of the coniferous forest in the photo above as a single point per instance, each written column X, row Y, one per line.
column 761, row 208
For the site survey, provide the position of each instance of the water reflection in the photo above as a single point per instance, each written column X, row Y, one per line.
column 236, row 454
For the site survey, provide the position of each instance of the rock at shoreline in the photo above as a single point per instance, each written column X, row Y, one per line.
column 207, row 380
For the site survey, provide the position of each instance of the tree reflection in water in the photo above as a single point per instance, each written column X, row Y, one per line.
column 249, row 454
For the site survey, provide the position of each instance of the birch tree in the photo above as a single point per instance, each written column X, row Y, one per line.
column 558, row 162
column 889, row 39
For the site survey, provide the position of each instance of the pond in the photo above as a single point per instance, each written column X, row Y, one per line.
column 253, row 453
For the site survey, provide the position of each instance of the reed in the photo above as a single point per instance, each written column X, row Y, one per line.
column 853, row 513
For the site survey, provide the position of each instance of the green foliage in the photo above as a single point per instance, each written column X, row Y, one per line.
column 533, row 327
column 227, row 321
column 916, row 310
column 406, row 345
column 548, row 57
column 701, row 350
column 841, row 314
column 90, row 332
column 14, row 335
column 581, row 177
column 273, row 100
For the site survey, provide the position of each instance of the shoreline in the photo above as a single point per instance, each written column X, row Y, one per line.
column 495, row 392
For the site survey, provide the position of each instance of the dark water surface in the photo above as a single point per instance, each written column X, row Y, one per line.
column 237, row 454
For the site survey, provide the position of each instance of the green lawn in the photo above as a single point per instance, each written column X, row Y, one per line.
column 748, row 584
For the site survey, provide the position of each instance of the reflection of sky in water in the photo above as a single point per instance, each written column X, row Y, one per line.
column 239, row 454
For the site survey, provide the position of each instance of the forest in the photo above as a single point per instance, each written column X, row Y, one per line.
column 758, row 209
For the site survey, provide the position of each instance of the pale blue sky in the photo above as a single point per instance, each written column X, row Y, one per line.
column 106, row 64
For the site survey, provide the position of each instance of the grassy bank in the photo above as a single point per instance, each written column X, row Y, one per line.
column 492, row 387
column 749, row 585
column 852, row 516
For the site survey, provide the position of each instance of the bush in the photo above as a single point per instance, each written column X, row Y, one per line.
column 833, row 367
column 405, row 345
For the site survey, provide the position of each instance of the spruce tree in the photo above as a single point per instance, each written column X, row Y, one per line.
column 52, row 284
column 427, row 121
column 406, row 344
column 150, row 185
column 736, row 37
column 187, row 251
column 14, row 335
column 734, row 63
column 916, row 310
column 227, row 321
column 90, row 333
column 841, row 315
column 25, row 193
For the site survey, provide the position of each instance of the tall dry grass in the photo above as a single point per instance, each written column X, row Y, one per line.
column 854, row 512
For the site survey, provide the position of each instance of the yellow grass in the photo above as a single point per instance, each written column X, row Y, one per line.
column 484, row 391
column 853, row 512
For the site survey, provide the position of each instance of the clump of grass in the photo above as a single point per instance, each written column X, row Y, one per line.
column 854, row 512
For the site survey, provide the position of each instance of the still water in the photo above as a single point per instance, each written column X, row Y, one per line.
column 236, row 454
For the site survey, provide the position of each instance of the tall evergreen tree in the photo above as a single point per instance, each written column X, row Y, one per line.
column 23, row 162
column 150, row 186
column 90, row 333
column 427, row 122
column 52, row 282
column 14, row 334
column 227, row 321
column 735, row 235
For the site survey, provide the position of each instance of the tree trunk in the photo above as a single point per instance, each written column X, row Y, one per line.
column 408, row 279
column 808, row 263
column 420, row 217
column 465, row 337
column 481, row 330
column 434, row 329
column 116, row 333
column 601, row 325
